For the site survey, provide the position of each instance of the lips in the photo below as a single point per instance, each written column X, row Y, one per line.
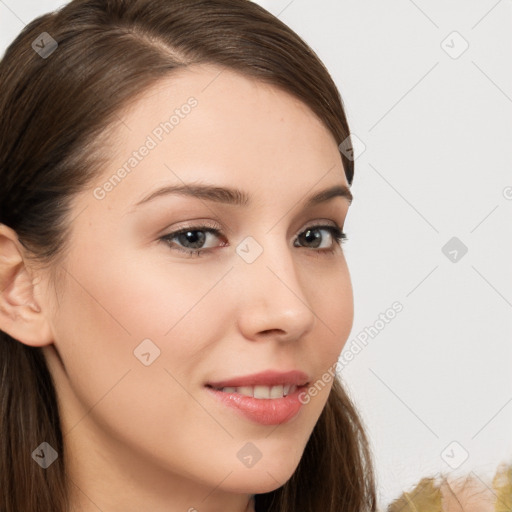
column 268, row 398
column 269, row 378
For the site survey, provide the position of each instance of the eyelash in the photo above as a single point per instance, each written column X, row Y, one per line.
column 336, row 232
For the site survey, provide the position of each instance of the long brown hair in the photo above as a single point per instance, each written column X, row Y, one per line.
column 53, row 108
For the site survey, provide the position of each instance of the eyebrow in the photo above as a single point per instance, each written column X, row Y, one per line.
column 237, row 197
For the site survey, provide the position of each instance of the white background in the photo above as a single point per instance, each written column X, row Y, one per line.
column 437, row 131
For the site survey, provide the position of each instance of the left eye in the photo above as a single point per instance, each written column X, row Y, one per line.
column 194, row 237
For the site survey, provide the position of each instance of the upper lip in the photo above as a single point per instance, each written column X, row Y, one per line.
column 266, row 378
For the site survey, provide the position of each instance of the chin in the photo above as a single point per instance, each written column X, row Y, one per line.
column 261, row 478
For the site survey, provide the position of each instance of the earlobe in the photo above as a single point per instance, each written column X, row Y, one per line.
column 21, row 316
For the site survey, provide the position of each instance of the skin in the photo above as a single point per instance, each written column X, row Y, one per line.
column 150, row 437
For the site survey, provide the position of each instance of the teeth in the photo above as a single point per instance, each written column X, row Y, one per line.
column 276, row 392
column 245, row 390
column 262, row 391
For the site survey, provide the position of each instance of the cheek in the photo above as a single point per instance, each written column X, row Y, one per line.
column 105, row 313
column 113, row 303
column 134, row 298
column 334, row 309
column 331, row 300
column 107, row 310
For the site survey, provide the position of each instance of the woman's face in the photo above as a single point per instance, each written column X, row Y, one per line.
column 143, row 329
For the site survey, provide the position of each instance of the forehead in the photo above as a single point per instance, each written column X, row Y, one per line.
column 230, row 108
column 213, row 124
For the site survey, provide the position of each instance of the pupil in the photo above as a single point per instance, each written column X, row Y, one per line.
column 315, row 237
column 189, row 238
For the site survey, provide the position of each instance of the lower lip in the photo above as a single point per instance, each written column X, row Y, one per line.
column 265, row 411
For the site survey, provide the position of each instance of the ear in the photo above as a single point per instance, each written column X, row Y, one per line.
column 21, row 316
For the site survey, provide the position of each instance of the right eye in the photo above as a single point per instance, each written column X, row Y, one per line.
column 190, row 235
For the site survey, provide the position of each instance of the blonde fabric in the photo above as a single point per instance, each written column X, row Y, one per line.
column 458, row 494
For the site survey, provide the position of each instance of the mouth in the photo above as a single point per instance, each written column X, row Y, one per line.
column 260, row 392
column 267, row 398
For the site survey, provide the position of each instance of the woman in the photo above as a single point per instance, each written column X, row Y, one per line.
column 174, row 295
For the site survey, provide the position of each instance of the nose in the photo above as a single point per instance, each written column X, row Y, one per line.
column 272, row 292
